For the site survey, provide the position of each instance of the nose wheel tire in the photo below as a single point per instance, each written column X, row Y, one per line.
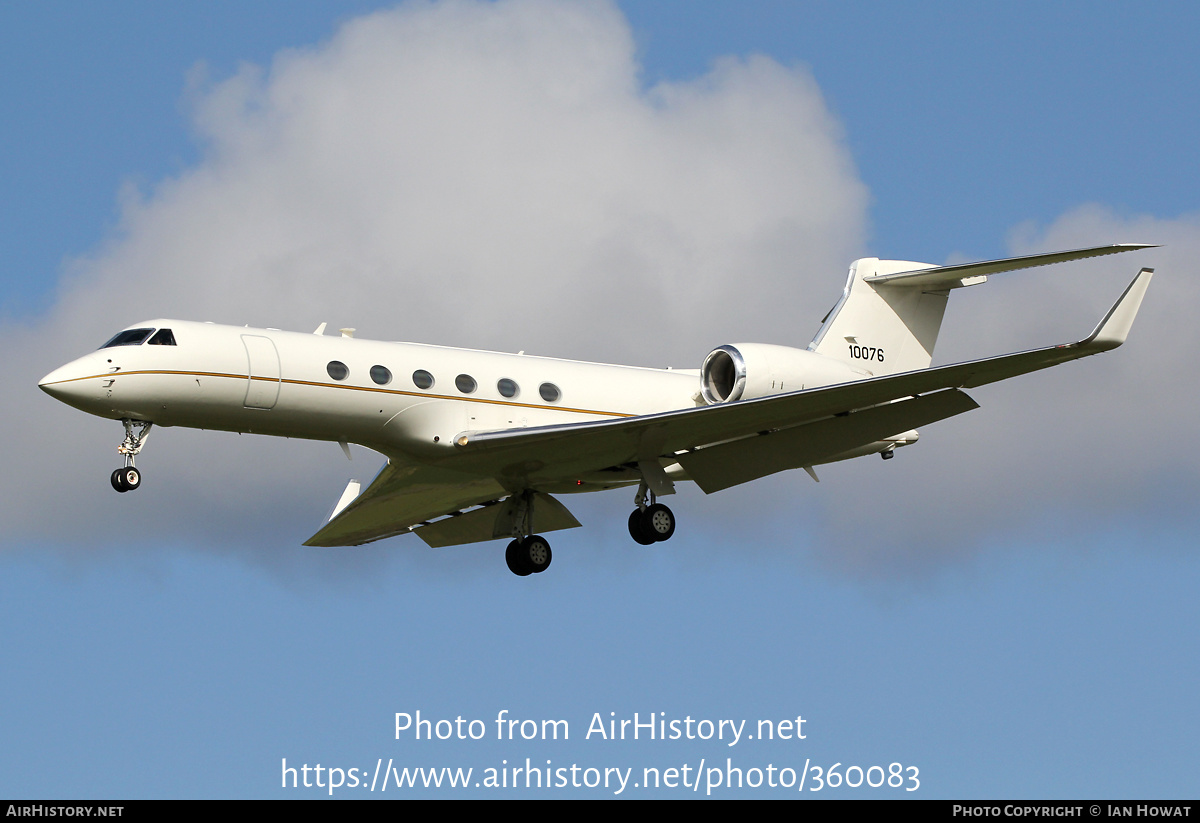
column 529, row 555
column 652, row 524
column 126, row 479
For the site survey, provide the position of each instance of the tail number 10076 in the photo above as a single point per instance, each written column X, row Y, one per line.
column 866, row 353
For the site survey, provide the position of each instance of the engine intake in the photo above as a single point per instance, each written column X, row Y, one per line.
column 723, row 375
column 750, row 370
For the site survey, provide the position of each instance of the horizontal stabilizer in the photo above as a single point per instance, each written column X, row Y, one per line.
column 949, row 277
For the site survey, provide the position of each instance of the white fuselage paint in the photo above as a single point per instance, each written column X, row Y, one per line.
column 266, row 381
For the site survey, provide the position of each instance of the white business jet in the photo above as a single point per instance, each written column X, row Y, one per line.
column 478, row 442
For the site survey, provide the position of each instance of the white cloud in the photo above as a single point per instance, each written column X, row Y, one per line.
column 485, row 175
column 495, row 175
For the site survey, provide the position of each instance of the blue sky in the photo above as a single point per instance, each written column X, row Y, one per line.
column 1013, row 611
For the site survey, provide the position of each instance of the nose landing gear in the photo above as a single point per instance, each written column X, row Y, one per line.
column 126, row 480
column 129, row 478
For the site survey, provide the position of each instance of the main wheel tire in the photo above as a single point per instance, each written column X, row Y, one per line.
column 659, row 522
column 638, row 528
column 536, row 554
column 131, row 478
column 117, row 482
column 512, row 556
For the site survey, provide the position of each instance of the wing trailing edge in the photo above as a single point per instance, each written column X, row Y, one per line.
column 740, row 461
column 494, row 521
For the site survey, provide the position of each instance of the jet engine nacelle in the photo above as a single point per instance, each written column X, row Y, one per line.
column 750, row 370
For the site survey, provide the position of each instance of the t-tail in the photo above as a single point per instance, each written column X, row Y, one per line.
column 890, row 313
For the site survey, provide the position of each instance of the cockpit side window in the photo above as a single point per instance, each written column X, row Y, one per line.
column 129, row 337
column 162, row 337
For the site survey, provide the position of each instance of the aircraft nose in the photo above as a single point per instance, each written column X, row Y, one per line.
column 53, row 383
column 68, row 384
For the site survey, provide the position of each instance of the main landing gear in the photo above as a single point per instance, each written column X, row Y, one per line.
column 129, row 478
column 651, row 523
column 528, row 555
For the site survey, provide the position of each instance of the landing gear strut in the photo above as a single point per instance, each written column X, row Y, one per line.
column 129, row 478
column 651, row 523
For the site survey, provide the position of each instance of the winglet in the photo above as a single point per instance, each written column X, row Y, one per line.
column 1114, row 328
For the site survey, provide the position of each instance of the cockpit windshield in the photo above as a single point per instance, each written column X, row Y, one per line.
column 164, row 337
column 129, row 337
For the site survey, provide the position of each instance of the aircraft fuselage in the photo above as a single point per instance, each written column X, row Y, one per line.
column 478, row 441
column 290, row 384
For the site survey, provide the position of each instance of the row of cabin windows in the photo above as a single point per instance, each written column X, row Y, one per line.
column 465, row 383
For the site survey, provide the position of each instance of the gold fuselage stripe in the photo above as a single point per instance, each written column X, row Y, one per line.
column 378, row 390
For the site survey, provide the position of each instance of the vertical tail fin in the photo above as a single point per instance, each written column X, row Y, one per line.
column 883, row 327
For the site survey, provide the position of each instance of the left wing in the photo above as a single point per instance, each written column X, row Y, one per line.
column 400, row 497
column 718, row 443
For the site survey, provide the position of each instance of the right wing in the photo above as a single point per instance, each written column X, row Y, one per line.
column 825, row 441
column 558, row 452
